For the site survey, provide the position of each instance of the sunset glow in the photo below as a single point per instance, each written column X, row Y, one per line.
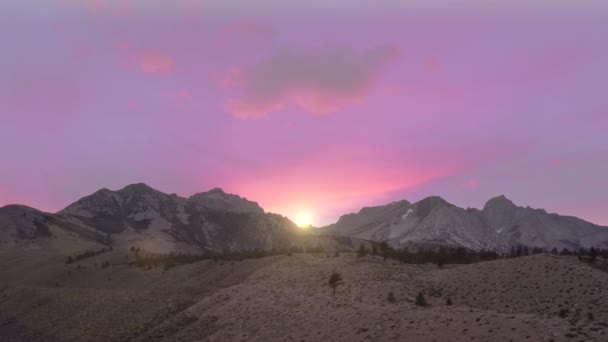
column 295, row 107
column 304, row 219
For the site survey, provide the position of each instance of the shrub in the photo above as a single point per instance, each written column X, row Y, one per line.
column 420, row 300
column 391, row 297
column 563, row 313
column 449, row 301
column 334, row 281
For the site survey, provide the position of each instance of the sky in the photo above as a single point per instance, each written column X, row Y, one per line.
column 320, row 107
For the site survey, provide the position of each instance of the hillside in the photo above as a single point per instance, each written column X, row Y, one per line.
column 287, row 298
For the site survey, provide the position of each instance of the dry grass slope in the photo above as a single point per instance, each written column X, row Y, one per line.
column 287, row 298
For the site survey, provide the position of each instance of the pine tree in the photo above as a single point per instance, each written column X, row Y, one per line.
column 385, row 250
column 593, row 254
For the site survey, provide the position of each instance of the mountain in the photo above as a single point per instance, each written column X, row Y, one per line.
column 31, row 228
column 213, row 221
column 21, row 222
column 535, row 227
column 219, row 200
column 217, row 222
column 499, row 225
column 140, row 216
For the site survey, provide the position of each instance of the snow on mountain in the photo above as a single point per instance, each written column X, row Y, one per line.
column 499, row 225
column 215, row 221
column 139, row 215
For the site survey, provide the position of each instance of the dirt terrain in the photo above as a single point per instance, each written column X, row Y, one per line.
column 287, row 298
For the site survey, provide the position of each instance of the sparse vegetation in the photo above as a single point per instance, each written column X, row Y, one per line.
column 440, row 256
column 87, row 254
column 314, row 250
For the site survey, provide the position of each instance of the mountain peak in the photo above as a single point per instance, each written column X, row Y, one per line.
column 217, row 191
column 137, row 187
column 432, row 201
column 217, row 199
column 499, row 202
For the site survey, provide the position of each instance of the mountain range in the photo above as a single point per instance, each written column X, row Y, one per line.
column 498, row 226
column 217, row 222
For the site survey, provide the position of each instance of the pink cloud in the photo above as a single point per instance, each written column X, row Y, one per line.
column 321, row 80
column 471, row 184
column 156, row 62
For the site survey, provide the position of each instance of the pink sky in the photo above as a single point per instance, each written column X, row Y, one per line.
column 318, row 106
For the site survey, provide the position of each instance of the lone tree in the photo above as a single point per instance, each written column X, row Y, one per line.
column 334, row 281
column 420, row 300
column 362, row 252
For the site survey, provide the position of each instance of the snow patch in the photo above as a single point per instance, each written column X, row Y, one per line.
column 409, row 211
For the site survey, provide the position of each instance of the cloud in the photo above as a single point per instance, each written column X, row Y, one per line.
column 320, row 80
column 471, row 184
column 156, row 62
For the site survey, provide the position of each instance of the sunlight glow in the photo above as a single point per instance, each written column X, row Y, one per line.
column 303, row 219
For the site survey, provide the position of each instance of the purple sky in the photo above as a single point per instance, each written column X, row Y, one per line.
column 318, row 106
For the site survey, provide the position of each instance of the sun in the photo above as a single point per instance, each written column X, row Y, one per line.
column 304, row 219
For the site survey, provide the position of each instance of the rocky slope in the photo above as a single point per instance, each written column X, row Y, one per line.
column 140, row 216
column 214, row 221
column 32, row 229
column 499, row 225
